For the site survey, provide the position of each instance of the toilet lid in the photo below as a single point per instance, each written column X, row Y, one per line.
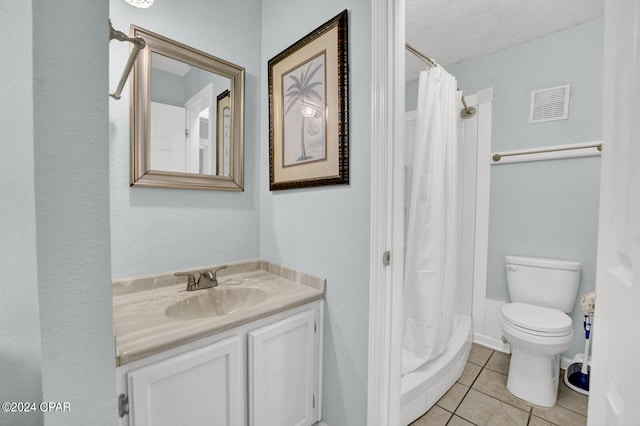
column 537, row 318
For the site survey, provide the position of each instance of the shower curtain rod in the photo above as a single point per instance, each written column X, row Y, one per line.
column 466, row 111
column 426, row 59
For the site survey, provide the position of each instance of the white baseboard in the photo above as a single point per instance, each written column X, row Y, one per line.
column 492, row 327
column 491, row 342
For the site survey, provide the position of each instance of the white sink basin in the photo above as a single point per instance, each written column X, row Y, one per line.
column 215, row 302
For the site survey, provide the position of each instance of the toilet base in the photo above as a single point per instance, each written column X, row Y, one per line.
column 534, row 378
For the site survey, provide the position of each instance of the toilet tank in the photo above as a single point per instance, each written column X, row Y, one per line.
column 551, row 283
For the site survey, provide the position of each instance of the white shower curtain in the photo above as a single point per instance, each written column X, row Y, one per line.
column 432, row 239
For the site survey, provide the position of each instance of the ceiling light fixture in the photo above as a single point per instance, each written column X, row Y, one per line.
column 143, row 4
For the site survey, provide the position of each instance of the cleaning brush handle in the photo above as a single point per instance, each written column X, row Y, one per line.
column 585, row 362
column 587, row 326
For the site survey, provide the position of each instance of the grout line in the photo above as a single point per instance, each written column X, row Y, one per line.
column 569, row 409
column 505, row 402
column 454, row 414
column 530, row 410
column 461, row 399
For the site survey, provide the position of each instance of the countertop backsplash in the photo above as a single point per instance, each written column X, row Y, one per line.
column 163, row 279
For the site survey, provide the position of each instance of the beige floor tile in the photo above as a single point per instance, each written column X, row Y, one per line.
column 571, row 399
column 436, row 416
column 453, row 397
column 458, row 421
column 484, row 410
column 479, row 355
column 537, row 421
column 495, row 384
column 560, row 416
column 499, row 362
column 469, row 374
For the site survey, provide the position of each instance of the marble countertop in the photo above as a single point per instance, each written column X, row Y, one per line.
column 142, row 329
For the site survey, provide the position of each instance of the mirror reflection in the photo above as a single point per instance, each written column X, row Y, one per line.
column 187, row 121
column 190, row 118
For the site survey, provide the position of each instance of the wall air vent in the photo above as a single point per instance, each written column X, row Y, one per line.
column 550, row 104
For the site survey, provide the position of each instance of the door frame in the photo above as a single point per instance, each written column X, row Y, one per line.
column 387, row 208
column 194, row 107
column 385, row 299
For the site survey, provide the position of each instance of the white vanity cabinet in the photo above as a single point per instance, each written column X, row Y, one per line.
column 264, row 373
column 199, row 387
column 283, row 379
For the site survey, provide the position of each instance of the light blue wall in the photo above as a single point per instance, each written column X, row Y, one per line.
column 547, row 208
column 325, row 231
column 167, row 88
column 20, row 349
column 198, row 78
column 171, row 89
column 56, row 291
column 411, row 95
column 156, row 230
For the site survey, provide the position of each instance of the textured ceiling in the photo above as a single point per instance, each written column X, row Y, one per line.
column 452, row 31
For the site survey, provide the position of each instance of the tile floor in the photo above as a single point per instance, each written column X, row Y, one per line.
column 480, row 397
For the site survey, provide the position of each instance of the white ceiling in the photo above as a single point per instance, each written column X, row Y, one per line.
column 452, row 31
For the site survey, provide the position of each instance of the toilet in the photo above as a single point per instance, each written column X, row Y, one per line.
column 536, row 324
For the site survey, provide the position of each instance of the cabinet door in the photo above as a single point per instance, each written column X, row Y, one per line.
column 197, row 388
column 283, row 372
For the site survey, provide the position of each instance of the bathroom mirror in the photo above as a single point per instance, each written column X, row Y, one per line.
column 187, row 118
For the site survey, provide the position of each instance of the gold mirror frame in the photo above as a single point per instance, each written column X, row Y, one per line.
column 141, row 173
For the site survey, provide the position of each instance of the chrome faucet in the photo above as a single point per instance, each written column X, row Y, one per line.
column 191, row 280
column 207, row 279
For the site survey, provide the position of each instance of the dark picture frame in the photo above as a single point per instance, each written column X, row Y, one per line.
column 309, row 109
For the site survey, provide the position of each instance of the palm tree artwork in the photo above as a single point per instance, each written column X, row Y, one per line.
column 305, row 89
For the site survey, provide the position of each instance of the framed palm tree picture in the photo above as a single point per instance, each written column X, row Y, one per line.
column 309, row 110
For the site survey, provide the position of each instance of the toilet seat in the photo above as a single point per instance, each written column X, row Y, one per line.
column 536, row 320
